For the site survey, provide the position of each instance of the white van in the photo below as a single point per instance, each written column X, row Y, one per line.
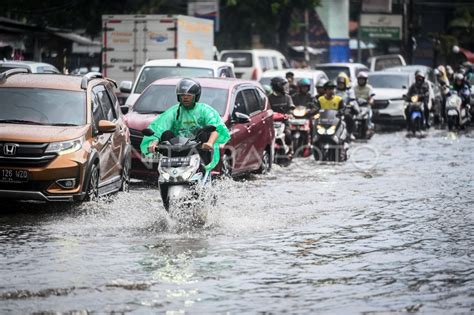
column 377, row 63
column 250, row 64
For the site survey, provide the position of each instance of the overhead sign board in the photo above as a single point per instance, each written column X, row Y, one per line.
column 381, row 26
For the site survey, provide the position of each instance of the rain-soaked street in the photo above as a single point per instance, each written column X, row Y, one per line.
column 392, row 230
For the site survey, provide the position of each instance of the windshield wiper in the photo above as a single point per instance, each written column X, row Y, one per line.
column 20, row 121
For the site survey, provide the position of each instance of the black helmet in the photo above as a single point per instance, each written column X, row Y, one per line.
column 188, row 86
column 278, row 84
column 330, row 85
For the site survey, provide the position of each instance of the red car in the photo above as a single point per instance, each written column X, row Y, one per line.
column 243, row 107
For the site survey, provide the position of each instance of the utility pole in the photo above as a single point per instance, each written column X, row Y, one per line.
column 306, row 36
column 359, row 51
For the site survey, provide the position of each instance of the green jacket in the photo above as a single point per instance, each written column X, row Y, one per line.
column 188, row 122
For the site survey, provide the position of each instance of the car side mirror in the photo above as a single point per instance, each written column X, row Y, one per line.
column 404, row 87
column 106, row 126
column 148, row 132
column 126, row 86
column 241, row 118
column 124, row 109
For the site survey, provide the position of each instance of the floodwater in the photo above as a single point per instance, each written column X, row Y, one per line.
column 390, row 231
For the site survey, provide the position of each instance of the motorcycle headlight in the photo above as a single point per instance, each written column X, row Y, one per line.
column 321, row 130
column 331, row 130
column 414, row 99
column 65, row 147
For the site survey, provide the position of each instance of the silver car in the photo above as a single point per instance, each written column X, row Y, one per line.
column 389, row 88
column 31, row 66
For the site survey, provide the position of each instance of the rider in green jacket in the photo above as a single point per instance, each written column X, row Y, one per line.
column 186, row 119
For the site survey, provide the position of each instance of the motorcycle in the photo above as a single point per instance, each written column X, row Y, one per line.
column 282, row 150
column 415, row 114
column 363, row 126
column 181, row 168
column 300, row 126
column 456, row 115
column 330, row 139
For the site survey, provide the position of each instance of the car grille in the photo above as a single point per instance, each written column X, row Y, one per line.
column 26, row 154
column 380, row 104
column 28, row 186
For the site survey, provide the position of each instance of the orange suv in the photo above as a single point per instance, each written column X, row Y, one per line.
column 62, row 138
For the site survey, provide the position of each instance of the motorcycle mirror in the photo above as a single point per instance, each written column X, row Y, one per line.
column 148, row 132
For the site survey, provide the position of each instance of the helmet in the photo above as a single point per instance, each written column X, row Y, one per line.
column 343, row 78
column 458, row 76
column 418, row 73
column 304, row 81
column 268, row 89
column 363, row 75
column 330, row 85
column 188, row 86
column 449, row 69
column 321, row 82
column 278, row 84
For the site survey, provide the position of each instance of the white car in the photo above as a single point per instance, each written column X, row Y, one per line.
column 389, row 88
column 313, row 75
column 332, row 70
column 250, row 64
column 31, row 66
column 158, row 69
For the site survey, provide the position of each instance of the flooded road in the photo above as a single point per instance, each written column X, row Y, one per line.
column 392, row 230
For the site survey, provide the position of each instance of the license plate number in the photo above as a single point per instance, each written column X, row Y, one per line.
column 13, row 176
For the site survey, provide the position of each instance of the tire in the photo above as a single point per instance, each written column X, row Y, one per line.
column 450, row 124
column 93, row 185
column 266, row 164
column 125, row 182
column 226, row 169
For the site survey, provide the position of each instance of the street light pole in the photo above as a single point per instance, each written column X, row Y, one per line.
column 306, row 36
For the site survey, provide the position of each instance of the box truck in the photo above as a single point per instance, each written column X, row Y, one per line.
column 129, row 41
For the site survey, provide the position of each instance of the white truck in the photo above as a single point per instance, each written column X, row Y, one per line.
column 129, row 41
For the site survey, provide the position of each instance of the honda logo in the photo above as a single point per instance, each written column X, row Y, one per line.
column 9, row 149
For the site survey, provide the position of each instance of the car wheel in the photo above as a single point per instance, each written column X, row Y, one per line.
column 125, row 185
column 93, row 186
column 266, row 163
column 226, row 169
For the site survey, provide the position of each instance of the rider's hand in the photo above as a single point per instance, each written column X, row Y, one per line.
column 207, row 146
column 152, row 146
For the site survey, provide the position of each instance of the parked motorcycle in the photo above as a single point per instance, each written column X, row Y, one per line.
column 181, row 168
column 415, row 114
column 330, row 137
column 283, row 154
column 300, row 126
column 456, row 115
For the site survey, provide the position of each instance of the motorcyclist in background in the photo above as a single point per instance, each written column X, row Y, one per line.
column 319, row 91
column 281, row 102
column 444, row 87
column 290, row 77
column 365, row 91
column 331, row 101
column 449, row 73
column 303, row 97
column 347, row 94
column 422, row 90
column 462, row 90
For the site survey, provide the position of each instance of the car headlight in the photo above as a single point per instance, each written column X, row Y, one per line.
column 65, row 147
column 321, row 130
column 331, row 130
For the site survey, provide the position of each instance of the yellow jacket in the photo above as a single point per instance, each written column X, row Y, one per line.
column 334, row 103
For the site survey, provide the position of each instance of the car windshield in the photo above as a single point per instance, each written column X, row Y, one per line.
column 333, row 71
column 42, row 106
column 151, row 74
column 239, row 59
column 159, row 98
column 384, row 81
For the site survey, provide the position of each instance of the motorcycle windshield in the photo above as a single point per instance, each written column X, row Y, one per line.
column 328, row 117
column 178, row 147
